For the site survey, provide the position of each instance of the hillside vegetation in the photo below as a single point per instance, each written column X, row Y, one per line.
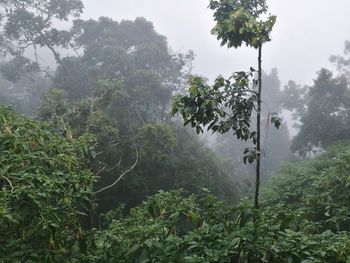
column 46, row 194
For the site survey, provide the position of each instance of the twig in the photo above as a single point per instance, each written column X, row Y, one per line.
column 117, row 164
column 36, row 54
column 75, row 50
column 9, row 182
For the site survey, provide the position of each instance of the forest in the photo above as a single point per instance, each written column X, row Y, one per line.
column 113, row 150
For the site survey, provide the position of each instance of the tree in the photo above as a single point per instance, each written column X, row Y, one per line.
column 275, row 144
column 132, row 57
column 27, row 26
column 326, row 118
column 322, row 111
column 237, row 22
column 119, row 89
column 342, row 62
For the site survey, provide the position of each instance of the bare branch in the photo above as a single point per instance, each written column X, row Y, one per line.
column 122, row 175
column 139, row 116
column 75, row 50
column 55, row 53
column 116, row 165
column 36, row 54
column 8, row 181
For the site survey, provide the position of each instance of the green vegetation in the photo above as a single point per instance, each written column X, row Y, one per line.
column 317, row 188
column 323, row 106
column 294, row 223
column 94, row 167
column 229, row 104
column 45, row 190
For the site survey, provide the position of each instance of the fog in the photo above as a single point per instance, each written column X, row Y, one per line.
column 112, row 151
column 115, row 148
column 305, row 35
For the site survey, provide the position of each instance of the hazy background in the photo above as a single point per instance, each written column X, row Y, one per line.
column 306, row 33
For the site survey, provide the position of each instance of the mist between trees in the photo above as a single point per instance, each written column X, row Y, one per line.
column 118, row 153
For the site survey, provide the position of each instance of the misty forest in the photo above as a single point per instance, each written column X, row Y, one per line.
column 113, row 149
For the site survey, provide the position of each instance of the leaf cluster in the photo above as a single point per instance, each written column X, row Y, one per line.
column 239, row 22
column 228, row 105
column 225, row 106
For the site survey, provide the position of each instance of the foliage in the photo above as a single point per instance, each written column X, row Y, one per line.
column 168, row 156
column 206, row 105
column 342, row 62
column 195, row 166
column 171, row 227
column 319, row 188
column 275, row 144
column 124, row 79
column 227, row 105
column 45, row 190
column 29, row 28
column 323, row 111
column 76, row 119
column 15, row 69
column 111, row 113
column 131, row 52
column 166, row 228
column 22, row 87
column 294, row 224
column 29, row 25
column 237, row 22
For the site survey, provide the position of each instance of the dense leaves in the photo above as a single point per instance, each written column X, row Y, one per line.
column 227, row 105
column 45, row 189
column 317, row 188
column 239, row 22
column 171, row 227
column 294, row 224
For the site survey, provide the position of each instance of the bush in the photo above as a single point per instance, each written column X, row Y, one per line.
column 320, row 188
column 45, row 188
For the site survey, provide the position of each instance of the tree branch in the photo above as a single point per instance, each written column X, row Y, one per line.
column 8, row 181
column 122, row 175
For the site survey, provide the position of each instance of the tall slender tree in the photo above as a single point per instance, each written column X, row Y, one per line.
column 238, row 22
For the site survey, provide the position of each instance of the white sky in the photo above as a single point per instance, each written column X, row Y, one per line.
column 306, row 34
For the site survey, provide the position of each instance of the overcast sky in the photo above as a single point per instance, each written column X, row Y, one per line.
column 306, row 34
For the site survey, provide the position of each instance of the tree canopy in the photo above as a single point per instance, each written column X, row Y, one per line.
column 322, row 110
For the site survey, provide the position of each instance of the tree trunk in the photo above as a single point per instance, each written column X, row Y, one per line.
column 258, row 124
